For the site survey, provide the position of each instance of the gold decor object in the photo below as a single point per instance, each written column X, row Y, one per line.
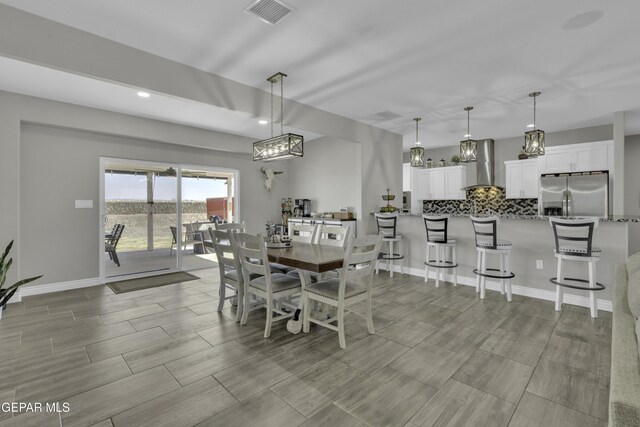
column 285, row 145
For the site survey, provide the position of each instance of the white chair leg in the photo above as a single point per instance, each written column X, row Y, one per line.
column 483, row 279
column 437, row 248
column 240, row 307
column 221, row 295
column 246, row 307
column 502, row 273
column 559, row 290
column 305, row 312
column 341, row 337
column 426, row 267
column 592, row 284
column 267, row 325
column 454, row 259
column 369, row 314
column 478, row 265
column 507, row 266
column 390, row 261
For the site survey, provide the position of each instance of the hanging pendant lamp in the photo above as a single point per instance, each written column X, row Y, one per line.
column 285, row 145
column 534, row 139
column 417, row 152
column 468, row 147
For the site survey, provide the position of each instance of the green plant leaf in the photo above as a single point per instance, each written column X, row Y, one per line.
column 20, row 283
column 5, row 254
column 6, row 297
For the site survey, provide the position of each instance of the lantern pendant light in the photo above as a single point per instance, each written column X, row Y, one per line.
column 285, row 145
column 417, row 152
column 534, row 139
column 468, row 147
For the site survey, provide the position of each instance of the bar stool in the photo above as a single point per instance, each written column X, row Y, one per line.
column 487, row 242
column 439, row 239
column 387, row 224
column 574, row 242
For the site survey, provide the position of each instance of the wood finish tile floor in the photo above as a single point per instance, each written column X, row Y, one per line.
column 440, row 357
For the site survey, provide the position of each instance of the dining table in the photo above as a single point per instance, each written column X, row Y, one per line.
column 306, row 258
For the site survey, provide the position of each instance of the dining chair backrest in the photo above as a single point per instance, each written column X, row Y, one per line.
column 486, row 231
column 359, row 261
column 116, row 236
column 224, row 245
column 252, row 254
column 232, row 226
column 574, row 235
column 304, row 233
column 436, row 227
column 174, row 233
column 387, row 224
column 332, row 235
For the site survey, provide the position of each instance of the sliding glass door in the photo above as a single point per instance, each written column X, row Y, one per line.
column 156, row 216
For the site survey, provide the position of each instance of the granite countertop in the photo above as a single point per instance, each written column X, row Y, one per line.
column 610, row 218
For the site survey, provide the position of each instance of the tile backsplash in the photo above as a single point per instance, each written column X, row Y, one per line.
column 483, row 201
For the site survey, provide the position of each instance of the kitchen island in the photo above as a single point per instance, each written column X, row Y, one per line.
column 533, row 241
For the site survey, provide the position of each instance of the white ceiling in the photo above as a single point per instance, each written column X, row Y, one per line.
column 415, row 58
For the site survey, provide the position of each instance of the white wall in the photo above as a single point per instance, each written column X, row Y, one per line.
column 328, row 174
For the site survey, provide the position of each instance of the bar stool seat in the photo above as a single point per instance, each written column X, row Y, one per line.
column 387, row 226
column 438, row 238
column 487, row 243
column 574, row 242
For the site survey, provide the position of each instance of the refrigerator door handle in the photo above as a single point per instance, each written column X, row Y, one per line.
column 569, row 204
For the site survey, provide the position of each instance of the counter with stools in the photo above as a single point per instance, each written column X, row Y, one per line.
column 487, row 243
column 439, row 239
column 574, row 242
column 392, row 241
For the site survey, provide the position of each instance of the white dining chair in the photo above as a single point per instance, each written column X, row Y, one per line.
column 353, row 285
column 272, row 287
column 229, row 268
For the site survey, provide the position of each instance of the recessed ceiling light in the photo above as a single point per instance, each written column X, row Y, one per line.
column 143, row 94
column 262, row 122
column 583, row 20
column 530, row 125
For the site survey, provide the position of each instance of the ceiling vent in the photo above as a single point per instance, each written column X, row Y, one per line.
column 269, row 11
column 384, row 116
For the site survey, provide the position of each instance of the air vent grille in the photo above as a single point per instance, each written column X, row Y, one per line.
column 384, row 116
column 269, row 11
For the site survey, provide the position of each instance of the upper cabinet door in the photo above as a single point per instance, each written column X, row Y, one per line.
column 422, row 185
column 455, row 180
column 513, row 179
column 438, row 189
column 407, row 177
column 590, row 156
column 522, row 179
column 530, row 180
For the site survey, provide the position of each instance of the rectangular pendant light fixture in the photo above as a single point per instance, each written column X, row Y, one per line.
column 534, row 139
column 417, row 152
column 284, row 146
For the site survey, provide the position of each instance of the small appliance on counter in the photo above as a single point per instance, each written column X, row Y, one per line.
column 302, row 207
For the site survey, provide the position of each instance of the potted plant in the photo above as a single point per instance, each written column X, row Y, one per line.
column 455, row 159
column 7, row 293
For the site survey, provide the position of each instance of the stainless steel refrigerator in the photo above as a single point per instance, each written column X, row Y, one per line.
column 574, row 194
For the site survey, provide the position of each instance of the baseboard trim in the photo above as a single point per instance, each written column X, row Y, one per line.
column 526, row 291
column 58, row 287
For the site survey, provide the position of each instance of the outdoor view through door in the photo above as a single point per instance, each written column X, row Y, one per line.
column 142, row 233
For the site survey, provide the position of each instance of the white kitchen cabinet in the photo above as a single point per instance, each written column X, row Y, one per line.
column 522, row 179
column 407, row 177
column 589, row 156
column 444, row 183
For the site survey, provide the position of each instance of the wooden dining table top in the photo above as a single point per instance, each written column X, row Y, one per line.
column 310, row 257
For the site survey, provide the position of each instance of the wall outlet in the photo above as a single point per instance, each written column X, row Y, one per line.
column 539, row 264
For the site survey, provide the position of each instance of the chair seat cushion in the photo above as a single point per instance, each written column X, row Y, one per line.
column 440, row 240
column 280, row 268
column 279, row 283
column 315, row 276
column 329, row 289
column 568, row 249
column 233, row 275
column 500, row 244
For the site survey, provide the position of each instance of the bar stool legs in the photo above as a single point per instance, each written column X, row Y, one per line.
column 503, row 273
column 391, row 256
column 440, row 262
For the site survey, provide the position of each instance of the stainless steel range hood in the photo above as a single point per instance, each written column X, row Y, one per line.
column 484, row 165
